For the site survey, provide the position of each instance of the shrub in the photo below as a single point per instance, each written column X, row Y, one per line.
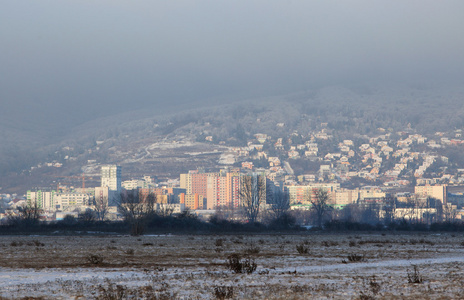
column 233, row 263
column 302, row 249
column 371, row 289
column 95, row 259
column 15, row 244
column 219, row 243
column 113, row 293
column 36, row 243
column 354, row 258
column 119, row 292
column 249, row 265
column 236, row 265
column 223, row 292
column 414, row 276
column 329, row 243
column 130, row 251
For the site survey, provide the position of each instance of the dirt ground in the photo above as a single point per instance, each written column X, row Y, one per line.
column 307, row 266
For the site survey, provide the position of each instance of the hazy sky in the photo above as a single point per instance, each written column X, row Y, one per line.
column 91, row 55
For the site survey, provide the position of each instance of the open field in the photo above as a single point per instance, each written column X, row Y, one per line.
column 312, row 266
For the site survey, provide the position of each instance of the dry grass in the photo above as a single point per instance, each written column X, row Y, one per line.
column 195, row 263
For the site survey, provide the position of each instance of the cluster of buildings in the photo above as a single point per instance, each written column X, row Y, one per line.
column 203, row 192
column 386, row 164
column 394, row 159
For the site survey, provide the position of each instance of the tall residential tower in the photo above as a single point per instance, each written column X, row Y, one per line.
column 111, row 177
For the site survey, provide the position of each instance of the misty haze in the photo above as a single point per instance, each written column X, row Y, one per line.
column 231, row 149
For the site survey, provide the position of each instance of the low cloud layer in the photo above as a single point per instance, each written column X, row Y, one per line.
column 91, row 58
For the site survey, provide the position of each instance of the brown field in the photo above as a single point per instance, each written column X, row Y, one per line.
column 313, row 266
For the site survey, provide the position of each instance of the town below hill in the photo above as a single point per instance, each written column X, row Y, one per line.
column 384, row 138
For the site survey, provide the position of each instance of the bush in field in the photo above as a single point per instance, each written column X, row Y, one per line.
column 223, row 292
column 414, row 276
column 120, row 292
column 219, row 242
column 329, row 243
column 112, row 292
column 354, row 258
column 37, row 243
column 302, row 248
column 371, row 289
column 15, row 243
column 95, row 259
column 237, row 265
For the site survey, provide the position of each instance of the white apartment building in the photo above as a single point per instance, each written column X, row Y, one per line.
column 71, row 201
column 111, row 177
column 44, row 200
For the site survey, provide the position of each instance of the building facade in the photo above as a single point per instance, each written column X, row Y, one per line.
column 111, row 177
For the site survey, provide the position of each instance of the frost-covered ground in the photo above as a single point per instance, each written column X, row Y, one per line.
column 194, row 266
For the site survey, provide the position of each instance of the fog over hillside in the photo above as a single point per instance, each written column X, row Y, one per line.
column 77, row 71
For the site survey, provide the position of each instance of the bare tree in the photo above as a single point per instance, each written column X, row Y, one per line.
column 320, row 204
column 165, row 209
column 101, row 208
column 280, row 203
column 28, row 215
column 88, row 216
column 252, row 195
column 136, row 210
column 449, row 213
column 388, row 207
column 31, row 212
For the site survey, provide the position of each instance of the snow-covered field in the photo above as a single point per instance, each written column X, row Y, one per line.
column 194, row 266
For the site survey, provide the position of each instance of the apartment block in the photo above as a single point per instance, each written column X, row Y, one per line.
column 223, row 189
column 192, row 201
column 111, row 177
column 439, row 192
column 344, row 197
column 71, row 201
column 44, row 199
column 301, row 194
